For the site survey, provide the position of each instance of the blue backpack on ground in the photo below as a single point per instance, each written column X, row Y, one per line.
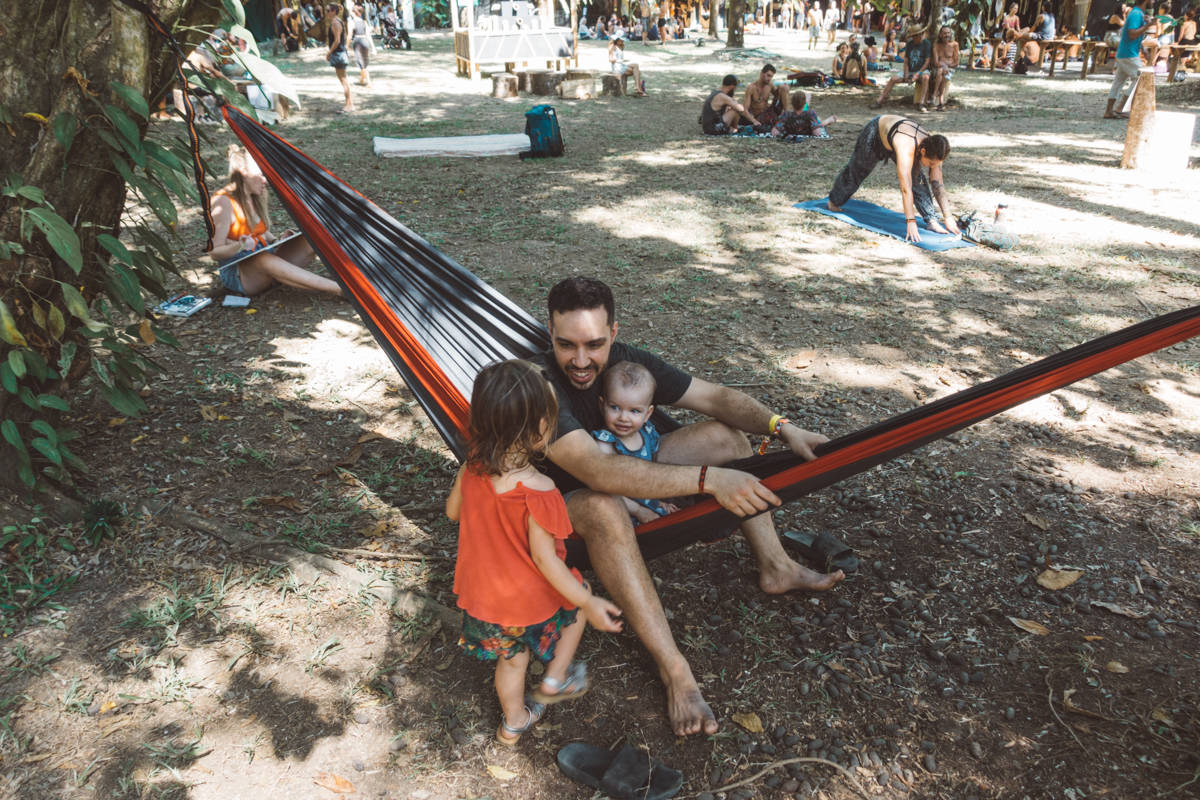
column 541, row 126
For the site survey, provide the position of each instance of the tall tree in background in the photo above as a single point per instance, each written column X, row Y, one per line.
column 735, row 23
column 76, row 84
column 714, row 7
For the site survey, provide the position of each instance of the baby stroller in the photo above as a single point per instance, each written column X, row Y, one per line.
column 394, row 36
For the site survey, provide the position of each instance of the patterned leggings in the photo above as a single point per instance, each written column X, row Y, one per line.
column 869, row 152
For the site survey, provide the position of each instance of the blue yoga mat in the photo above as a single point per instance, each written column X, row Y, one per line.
column 884, row 220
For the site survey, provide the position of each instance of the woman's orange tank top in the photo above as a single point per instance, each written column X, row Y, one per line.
column 240, row 227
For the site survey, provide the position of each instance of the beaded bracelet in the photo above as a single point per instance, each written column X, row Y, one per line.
column 703, row 472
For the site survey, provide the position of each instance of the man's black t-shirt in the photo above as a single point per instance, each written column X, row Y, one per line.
column 580, row 408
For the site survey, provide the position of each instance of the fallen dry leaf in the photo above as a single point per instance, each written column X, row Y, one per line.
column 352, row 457
column 1030, row 626
column 208, row 413
column 370, row 436
column 1036, row 521
column 1117, row 667
column 334, row 783
column 1070, row 706
column 1161, row 716
column 749, row 721
column 1093, row 638
column 1056, row 579
column 290, row 503
column 1118, row 609
column 500, row 773
column 115, row 421
column 146, row 332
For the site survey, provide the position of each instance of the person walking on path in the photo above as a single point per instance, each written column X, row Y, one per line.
column 1129, row 59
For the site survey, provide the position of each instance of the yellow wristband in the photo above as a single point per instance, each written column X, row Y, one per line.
column 771, row 426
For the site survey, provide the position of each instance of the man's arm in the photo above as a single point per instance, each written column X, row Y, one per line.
column 725, row 101
column 740, row 410
column 578, row 454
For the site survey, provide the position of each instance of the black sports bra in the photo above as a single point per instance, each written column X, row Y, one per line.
column 891, row 133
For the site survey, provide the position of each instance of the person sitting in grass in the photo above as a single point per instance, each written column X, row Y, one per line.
column 838, row 69
column 517, row 595
column 627, row 401
column 891, row 137
column 720, row 113
column 763, row 100
column 918, row 55
column 801, row 120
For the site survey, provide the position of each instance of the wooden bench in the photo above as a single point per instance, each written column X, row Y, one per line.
column 1095, row 52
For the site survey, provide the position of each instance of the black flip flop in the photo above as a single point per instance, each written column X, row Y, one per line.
column 824, row 550
column 624, row 774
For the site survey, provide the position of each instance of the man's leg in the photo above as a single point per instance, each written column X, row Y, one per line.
column 887, row 89
column 1125, row 70
column 604, row 524
column 919, row 90
column 717, row 443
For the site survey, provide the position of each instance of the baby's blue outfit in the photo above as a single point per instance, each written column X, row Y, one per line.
column 650, row 442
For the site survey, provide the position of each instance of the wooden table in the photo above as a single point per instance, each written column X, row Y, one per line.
column 1053, row 46
column 1178, row 53
column 1094, row 50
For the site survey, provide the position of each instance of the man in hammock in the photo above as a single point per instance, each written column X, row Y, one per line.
column 583, row 332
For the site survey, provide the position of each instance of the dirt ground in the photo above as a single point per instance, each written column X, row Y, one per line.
column 181, row 666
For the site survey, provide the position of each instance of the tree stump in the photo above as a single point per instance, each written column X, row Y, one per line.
column 1141, row 119
column 577, row 85
column 504, row 84
column 612, row 85
column 544, row 81
column 523, row 80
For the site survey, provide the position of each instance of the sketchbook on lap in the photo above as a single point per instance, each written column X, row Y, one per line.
column 242, row 256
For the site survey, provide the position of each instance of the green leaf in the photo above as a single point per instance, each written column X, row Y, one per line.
column 46, row 448
column 56, row 323
column 28, row 398
column 113, row 245
column 126, row 127
column 66, row 357
column 8, row 328
column 124, row 401
column 235, row 11
column 75, row 303
column 7, row 379
column 5, row 250
column 25, row 473
column 37, row 365
column 8, row 429
column 60, row 235
column 102, row 372
column 124, row 285
column 132, row 97
column 45, row 429
column 16, row 363
column 72, row 459
column 65, row 126
column 32, row 193
column 165, row 157
column 53, row 401
column 160, row 203
column 171, row 180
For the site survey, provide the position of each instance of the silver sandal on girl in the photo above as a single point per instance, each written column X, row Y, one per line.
column 570, row 687
column 507, row 735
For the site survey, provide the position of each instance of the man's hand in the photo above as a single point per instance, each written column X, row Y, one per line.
column 912, row 234
column 801, row 442
column 740, row 492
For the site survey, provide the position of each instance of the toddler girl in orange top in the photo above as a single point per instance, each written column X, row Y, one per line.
column 516, row 592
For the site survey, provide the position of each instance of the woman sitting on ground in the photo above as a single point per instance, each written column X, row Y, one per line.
column 243, row 225
column 871, row 53
column 839, row 61
column 891, row 52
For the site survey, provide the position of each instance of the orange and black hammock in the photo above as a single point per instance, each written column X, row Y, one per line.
column 440, row 325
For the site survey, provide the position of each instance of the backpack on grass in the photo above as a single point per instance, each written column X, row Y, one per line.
column 541, row 126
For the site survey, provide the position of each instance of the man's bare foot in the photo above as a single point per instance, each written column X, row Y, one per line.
column 1116, row 115
column 832, row 207
column 688, row 712
column 791, row 576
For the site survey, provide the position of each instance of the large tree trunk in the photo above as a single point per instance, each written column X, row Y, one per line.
column 70, row 48
column 735, row 11
column 713, row 21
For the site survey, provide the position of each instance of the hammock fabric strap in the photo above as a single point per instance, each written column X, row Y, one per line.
column 439, row 324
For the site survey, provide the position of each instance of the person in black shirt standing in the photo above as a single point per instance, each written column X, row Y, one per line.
column 583, row 332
